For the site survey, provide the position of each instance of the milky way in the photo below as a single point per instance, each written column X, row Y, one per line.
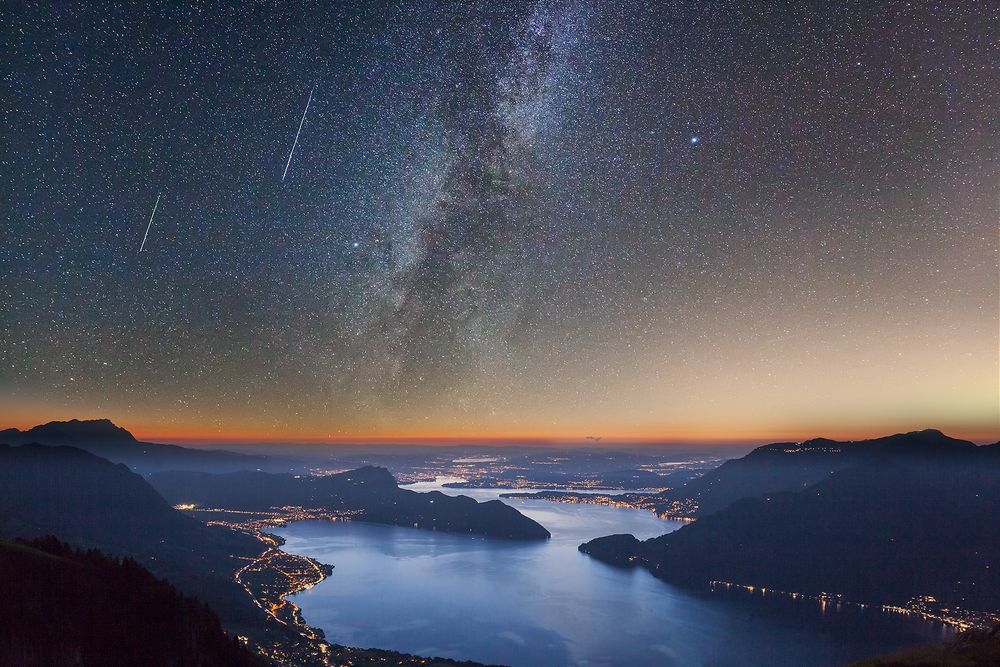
column 465, row 241
column 659, row 220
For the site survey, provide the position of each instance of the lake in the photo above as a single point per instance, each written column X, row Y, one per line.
column 546, row 604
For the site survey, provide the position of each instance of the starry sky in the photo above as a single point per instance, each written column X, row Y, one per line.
column 647, row 220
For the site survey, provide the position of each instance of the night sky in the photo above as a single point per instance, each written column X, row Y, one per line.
column 678, row 221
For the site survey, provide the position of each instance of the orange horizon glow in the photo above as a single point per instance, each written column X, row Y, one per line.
column 708, row 440
column 201, row 435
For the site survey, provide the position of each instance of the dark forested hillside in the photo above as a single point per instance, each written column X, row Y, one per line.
column 976, row 648
column 62, row 606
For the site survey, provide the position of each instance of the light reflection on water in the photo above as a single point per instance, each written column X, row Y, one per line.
column 544, row 603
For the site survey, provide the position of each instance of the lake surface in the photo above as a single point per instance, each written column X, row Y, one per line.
column 546, row 604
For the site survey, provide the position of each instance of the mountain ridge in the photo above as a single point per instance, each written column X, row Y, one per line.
column 115, row 443
column 905, row 523
column 94, row 503
column 791, row 466
column 73, row 430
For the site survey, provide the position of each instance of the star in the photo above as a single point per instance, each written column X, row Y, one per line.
column 432, row 266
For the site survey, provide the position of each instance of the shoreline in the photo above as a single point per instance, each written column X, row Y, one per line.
column 924, row 608
column 274, row 575
column 681, row 511
column 271, row 577
column 302, row 573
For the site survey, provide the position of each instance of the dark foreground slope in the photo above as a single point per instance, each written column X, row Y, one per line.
column 900, row 526
column 62, row 606
column 105, row 439
column 788, row 466
column 93, row 503
column 977, row 648
column 370, row 490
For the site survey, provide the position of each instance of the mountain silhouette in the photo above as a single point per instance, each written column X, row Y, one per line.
column 63, row 606
column 914, row 515
column 105, row 439
column 93, row 503
column 788, row 466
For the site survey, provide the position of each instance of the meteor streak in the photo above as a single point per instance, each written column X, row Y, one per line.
column 296, row 142
column 150, row 224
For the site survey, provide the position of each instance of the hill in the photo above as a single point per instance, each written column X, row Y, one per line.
column 70, row 607
column 977, row 648
column 370, row 490
column 788, row 466
column 911, row 522
column 105, row 439
column 93, row 503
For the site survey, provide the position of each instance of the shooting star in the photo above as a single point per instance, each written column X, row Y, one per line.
column 296, row 142
column 146, row 235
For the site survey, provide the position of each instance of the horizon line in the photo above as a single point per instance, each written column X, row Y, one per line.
column 755, row 437
column 980, row 438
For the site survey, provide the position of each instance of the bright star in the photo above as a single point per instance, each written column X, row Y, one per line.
column 695, row 139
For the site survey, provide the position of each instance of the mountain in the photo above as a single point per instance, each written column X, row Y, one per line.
column 63, row 606
column 93, row 503
column 916, row 521
column 105, row 439
column 788, row 466
column 371, row 490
